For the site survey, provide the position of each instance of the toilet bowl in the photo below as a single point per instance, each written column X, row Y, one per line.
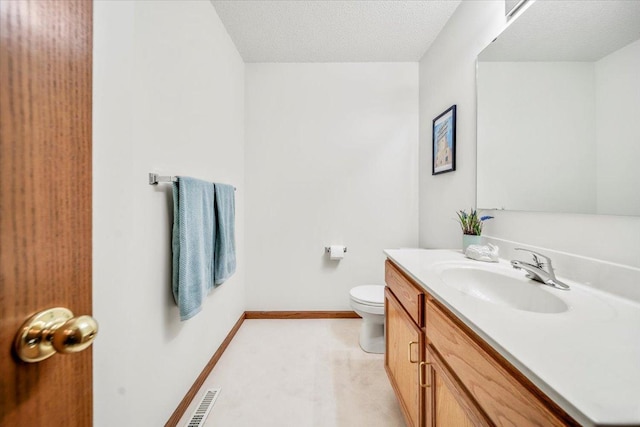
column 368, row 302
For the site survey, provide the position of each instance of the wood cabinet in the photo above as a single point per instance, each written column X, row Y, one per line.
column 451, row 376
column 404, row 343
column 408, row 294
column 446, row 403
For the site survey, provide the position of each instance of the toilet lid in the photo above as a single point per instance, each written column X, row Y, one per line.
column 368, row 294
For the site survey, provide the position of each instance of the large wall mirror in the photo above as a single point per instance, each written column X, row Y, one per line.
column 559, row 110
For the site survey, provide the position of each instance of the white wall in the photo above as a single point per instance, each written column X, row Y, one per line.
column 536, row 120
column 168, row 97
column 618, row 103
column 447, row 76
column 331, row 158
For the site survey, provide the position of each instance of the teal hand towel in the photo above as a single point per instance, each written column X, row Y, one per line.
column 193, row 243
column 225, row 244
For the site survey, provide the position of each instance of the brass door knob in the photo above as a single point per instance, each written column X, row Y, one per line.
column 52, row 331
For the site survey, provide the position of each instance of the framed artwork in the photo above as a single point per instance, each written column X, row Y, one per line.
column 444, row 142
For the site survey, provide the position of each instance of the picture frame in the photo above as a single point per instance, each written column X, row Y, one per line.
column 443, row 142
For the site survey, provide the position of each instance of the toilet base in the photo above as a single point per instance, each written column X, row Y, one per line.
column 372, row 337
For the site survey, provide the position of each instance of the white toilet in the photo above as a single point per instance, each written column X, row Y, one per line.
column 368, row 302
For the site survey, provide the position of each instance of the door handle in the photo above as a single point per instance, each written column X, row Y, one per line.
column 52, row 331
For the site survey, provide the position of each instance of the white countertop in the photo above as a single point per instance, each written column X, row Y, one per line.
column 587, row 359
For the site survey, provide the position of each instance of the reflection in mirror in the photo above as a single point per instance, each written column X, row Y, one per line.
column 559, row 110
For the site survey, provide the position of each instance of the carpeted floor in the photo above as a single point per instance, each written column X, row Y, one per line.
column 300, row 373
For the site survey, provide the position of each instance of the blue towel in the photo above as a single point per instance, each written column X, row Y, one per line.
column 193, row 240
column 225, row 244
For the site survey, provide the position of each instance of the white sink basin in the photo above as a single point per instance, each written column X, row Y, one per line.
column 498, row 285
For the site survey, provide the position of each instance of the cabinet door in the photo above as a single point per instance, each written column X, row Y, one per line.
column 447, row 403
column 404, row 352
column 503, row 393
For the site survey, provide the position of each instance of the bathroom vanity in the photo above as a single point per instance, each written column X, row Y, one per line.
column 463, row 352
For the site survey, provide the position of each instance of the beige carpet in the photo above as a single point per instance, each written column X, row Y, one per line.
column 300, row 373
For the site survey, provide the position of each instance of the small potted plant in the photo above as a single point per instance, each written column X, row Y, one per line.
column 471, row 225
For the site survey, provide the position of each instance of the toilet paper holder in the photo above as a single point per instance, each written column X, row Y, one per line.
column 327, row 249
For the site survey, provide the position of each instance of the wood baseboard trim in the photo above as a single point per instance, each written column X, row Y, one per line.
column 193, row 391
column 301, row 315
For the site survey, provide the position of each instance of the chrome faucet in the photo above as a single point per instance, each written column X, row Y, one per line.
column 540, row 271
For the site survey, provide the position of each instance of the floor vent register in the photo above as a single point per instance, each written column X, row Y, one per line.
column 202, row 411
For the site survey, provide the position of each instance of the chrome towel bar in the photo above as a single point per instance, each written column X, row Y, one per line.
column 154, row 179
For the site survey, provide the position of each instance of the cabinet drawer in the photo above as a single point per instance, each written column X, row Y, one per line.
column 410, row 296
column 505, row 395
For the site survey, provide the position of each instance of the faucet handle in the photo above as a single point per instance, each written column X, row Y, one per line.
column 537, row 261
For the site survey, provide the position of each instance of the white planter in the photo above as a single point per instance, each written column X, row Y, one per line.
column 470, row 239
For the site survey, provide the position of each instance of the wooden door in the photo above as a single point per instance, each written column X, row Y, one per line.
column 403, row 354
column 45, row 201
column 446, row 402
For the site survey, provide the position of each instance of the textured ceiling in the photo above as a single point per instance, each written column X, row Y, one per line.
column 568, row 30
column 333, row 31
